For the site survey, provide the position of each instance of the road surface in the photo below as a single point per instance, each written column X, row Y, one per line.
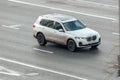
column 21, row 58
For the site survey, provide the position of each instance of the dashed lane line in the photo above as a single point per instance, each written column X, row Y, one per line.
column 7, row 71
column 32, row 74
column 42, row 68
column 12, row 26
column 118, row 34
column 60, row 9
column 43, row 50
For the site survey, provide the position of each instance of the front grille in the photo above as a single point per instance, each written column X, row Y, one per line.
column 88, row 38
column 91, row 38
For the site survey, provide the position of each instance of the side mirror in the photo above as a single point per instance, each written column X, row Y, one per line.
column 61, row 30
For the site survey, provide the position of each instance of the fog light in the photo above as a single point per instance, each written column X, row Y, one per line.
column 80, row 44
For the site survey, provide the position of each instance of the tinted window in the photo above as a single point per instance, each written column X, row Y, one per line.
column 73, row 25
column 48, row 23
column 43, row 22
column 57, row 26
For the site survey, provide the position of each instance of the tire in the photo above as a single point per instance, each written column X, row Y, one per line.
column 71, row 45
column 41, row 39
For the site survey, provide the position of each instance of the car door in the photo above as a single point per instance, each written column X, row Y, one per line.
column 48, row 29
column 59, row 34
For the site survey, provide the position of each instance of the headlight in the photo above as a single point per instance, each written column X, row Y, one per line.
column 80, row 38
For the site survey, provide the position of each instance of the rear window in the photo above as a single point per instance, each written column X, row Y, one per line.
column 47, row 23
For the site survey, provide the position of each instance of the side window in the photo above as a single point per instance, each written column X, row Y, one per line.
column 43, row 22
column 47, row 23
column 57, row 26
column 50, row 23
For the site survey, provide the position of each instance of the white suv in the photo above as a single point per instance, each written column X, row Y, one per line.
column 65, row 30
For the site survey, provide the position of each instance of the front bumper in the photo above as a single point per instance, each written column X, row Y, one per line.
column 89, row 45
column 82, row 44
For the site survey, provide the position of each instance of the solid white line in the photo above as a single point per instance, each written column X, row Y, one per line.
column 42, row 50
column 116, row 33
column 101, row 4
column 41, row 68
column 60, row 9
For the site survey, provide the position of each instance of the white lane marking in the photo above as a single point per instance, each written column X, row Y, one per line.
column 43, row 50
column 12, row 26
column 115, row 21
column 32, row 74
column 118, row 34
column 41, row 68
column 60, row 9
column 6, row 71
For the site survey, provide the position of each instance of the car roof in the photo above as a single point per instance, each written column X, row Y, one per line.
column 59, row 17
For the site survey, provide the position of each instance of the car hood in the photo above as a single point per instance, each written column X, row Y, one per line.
column 86, row 32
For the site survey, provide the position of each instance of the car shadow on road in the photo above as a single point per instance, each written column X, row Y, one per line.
column 61, row 51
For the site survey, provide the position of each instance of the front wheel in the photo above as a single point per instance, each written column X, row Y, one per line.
column 71, row 45
column 41, row 39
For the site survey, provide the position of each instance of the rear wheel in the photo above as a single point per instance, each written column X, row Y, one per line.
column 41, row 39
column 71, row 45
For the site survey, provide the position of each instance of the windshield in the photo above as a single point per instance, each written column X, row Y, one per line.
column 73, row 25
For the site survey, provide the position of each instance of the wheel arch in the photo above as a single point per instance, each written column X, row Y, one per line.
column 70, row 39
column 39, row 33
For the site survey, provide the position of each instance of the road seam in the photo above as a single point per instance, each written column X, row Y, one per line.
column 41, row 68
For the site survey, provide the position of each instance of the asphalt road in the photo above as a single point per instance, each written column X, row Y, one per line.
column 21, row 58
